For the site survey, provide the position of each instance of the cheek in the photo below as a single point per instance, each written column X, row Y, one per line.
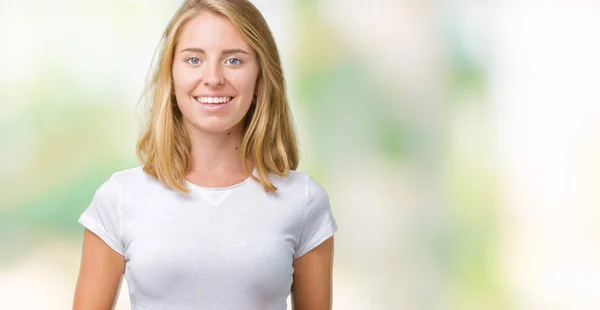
column 245, row 84
column 183, row 80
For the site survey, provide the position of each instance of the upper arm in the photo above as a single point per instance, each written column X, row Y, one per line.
column 312, row 283
column 99, row 275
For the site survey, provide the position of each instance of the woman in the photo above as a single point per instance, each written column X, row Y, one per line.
column 216, row 217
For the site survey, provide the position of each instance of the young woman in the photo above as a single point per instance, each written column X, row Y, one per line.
column 216, row 217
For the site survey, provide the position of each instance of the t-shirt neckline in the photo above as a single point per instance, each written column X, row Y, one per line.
column 194, row 186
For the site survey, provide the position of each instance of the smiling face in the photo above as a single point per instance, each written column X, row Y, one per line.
column 214, row 74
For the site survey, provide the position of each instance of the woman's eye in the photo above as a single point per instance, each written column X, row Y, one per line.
column 234, row 61
column 193, row 60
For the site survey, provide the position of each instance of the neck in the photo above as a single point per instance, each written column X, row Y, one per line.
column 216, row 153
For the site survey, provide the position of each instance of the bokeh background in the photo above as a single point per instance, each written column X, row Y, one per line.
column 459, row 142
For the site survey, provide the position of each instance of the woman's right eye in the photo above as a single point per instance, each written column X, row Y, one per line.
column 193, row 60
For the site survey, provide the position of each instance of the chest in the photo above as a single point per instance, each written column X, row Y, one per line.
column 191, row 247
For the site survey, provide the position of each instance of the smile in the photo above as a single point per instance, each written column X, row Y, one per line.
column 213, row 100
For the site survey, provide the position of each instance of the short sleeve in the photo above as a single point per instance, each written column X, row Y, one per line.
column 319, row 223
column 103, row 215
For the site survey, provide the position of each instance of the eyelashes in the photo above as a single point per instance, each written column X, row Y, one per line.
column 233, row 61
column 238, row 61
column 192, row 60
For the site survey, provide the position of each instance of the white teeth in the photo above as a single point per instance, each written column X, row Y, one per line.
column 213, row 100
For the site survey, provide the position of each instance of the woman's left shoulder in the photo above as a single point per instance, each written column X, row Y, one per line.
column 300, row 183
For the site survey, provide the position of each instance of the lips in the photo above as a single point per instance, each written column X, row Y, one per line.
column 213, row 104
column 213, row 100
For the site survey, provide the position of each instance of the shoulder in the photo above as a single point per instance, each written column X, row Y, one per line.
column 126, row 180
column 133, row 178
column 130, row 175
column 301, row 185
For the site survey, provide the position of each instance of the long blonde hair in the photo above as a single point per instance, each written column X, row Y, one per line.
column 269, row 141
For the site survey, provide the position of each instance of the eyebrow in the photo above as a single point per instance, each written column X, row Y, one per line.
column 224, row 52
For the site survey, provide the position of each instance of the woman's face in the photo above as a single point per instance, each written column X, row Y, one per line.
column 214, row 74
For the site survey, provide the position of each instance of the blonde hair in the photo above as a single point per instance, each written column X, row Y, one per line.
column 269, row 141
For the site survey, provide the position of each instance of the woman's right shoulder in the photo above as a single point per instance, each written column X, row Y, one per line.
column 132, row 181
column 128, row 175
column 134, row 177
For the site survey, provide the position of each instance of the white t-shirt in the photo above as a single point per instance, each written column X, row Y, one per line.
column 214, row 248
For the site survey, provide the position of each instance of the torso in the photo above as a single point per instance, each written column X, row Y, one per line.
column 225, row 248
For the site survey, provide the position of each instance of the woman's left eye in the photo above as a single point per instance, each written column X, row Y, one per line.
column 234, row 61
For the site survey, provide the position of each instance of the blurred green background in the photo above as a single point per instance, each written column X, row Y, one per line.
column 458, row 140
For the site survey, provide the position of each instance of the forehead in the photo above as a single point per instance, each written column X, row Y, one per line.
column 210, row 31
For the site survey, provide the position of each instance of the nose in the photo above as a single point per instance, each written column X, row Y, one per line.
column 213, row 77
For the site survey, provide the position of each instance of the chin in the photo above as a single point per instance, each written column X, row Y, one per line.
column 217, row 127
